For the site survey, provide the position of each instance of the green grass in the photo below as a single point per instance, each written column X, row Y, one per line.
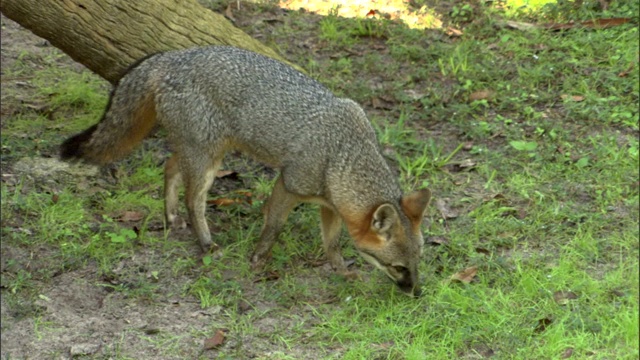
column 547, row 205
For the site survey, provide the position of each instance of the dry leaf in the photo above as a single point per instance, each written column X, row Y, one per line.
column 384, row 346
column 481, row 95
column 563, row 297
column 597, row 23
column 224, row 202
column 243, row 307
column 626, row 72
column 324, row 301
column 540, row 47
column 618, row 293
column 354, row 52
column 226, row 173
column 316, row 262
column 228, row 13
column 437, row 240
column 268, row 276
column 445, row 210
column 338, row 55
column 483, row 350
column 521, row 214
column 567, row 353
column 500, row 199
column 380, row 103
column 130, row 216
column 521, row 25
column 467, row 146
column 453, row 31
column 414, row 95
column 576, row 98
column 466, row 275
column 543, row 324
column 41, row 109
column 245, row 198
column 244, row 193
column 214, row 341
column 466, row 163
column 248, row 196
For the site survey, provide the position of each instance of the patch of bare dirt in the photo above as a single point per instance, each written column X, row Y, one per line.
column 78, row 316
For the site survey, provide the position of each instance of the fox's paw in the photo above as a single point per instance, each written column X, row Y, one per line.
column 177, row 223
column 258, row 262
column 211, row 249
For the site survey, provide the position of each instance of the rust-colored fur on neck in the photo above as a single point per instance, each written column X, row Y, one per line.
column 359, row 227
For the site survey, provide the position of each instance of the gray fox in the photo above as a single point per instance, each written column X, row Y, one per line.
column 219, row 98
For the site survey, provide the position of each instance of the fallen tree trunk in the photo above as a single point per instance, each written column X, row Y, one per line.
column 108, row 35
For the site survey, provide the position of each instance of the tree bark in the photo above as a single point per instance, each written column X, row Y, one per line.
column 108, row 35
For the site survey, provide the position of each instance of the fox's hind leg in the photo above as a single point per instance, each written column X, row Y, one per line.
column 172, row 182
column 276, row 211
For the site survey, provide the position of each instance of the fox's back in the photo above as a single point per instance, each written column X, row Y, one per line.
column 236, row 77
column 255, row 103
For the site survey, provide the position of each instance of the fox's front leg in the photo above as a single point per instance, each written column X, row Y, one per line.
column 331, row 225
column 276, row 211
column 198, row 174
column 172, row 181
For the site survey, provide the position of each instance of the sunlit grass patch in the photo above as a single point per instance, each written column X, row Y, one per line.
column 423, row 17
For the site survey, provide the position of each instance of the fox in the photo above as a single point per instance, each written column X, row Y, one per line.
column 215, row 99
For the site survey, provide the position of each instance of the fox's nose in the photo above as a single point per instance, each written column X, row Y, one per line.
column 409, row 288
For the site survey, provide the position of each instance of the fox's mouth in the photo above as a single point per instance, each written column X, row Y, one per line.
column 409, row 288
column 405, row 283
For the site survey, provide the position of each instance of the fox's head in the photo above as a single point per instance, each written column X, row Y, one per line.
column 393, row 241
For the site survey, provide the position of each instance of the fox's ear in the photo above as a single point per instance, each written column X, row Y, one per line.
column 415, row 204
column 383, row 218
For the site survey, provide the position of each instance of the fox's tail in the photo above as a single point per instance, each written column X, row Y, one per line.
column 129, row 117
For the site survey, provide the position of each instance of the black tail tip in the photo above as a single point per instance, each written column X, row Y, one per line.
column 72, row 147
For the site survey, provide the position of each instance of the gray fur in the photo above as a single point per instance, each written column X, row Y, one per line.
column 218, row 98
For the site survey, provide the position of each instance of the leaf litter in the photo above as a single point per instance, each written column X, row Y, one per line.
column 465, row 276
column 445, row 209
column 216, row 340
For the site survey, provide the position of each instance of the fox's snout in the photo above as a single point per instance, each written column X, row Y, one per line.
column 410, row 289
column 409, row 285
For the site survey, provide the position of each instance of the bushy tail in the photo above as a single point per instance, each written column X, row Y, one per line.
column 128, row 119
